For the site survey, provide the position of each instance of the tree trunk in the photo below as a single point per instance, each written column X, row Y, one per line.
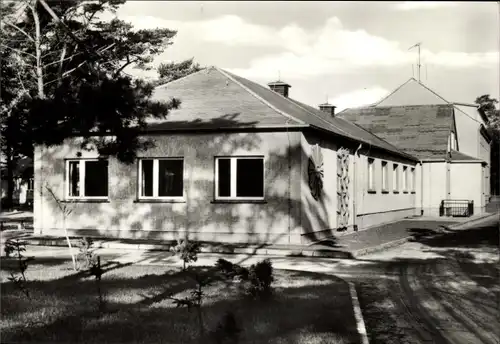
column 39, row 69
column 10, row 180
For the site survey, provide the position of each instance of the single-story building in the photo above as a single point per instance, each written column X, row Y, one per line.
column 237, row 162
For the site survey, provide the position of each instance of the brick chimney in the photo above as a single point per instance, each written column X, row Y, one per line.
column 328, row 108
column 280, row 87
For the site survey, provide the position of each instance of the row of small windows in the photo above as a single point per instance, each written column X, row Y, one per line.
column 240, row 178
column 402, row 177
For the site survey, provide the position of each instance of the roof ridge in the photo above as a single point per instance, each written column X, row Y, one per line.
column 206, row 69
column 434, row 92
column 227, row 75
column 395, row 90
column 294, row 102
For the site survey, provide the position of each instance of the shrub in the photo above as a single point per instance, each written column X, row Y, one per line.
column 15, row 248
column 260, row 279
column 187, row 251
column 230, row 270
column 227, row 331
column 86, row 253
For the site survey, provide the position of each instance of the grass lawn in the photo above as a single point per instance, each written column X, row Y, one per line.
column 306, row 307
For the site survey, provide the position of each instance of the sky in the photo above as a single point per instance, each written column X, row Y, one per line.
column 349, row 53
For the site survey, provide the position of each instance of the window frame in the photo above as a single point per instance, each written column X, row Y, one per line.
column 395, row 178
column 233, row 182
column 405, row 179
column 371, row 175
column 81, row 176
column 155, row 180
column 385, row 176
column 413, row 176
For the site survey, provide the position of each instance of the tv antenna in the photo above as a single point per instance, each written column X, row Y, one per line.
column 418, row 65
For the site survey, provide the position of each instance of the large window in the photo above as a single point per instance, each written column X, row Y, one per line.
column 405, row 178
column 87, row 178
column 395, row 178
column 161, row 178
column 371, row 174
column 385, row 177
column 239, row 178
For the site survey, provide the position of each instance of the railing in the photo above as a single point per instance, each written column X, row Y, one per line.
column 456, row 208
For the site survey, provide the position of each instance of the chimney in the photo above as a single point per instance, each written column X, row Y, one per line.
column 328, row 108
column 279, row 87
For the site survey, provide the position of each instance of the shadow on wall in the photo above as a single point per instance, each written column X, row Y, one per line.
column 278, row 220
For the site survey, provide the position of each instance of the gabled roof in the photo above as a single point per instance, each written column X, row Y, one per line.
column 421, row 130
column 412, row 92
column 216, row 99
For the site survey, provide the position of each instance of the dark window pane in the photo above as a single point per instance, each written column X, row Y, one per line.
column 96, row 178
column 74, row 178
column 147, row 178
column 250, row 178
column 170, row 178
column 224, row 177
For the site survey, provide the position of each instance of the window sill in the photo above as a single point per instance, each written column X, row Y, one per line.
column 237, row 201
column 413, row 192
column 385, row 191
column 86, row 200
column 157, row 200
column 405, row 192
column 396, row 192
column 372, row 191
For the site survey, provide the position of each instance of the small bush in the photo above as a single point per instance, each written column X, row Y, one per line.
column 230, row 270
column 15, row 249
column 227, row 331
column 260, row 279
column 86, row 254
column 187, row 251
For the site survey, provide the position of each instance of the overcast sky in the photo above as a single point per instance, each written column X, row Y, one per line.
column 352, row 53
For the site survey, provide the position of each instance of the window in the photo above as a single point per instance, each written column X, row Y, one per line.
column 385, row 177
column 405, row 178
column 413, row 179
column 371, row 174
column 161, row 178
column 30, row 184
column 395, row 177
column 87, row 178
column 239, row 178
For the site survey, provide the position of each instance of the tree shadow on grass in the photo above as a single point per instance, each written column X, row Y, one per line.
column 306, row 306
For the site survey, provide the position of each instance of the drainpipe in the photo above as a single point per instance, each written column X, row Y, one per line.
column 421, row 188
column 355, row 191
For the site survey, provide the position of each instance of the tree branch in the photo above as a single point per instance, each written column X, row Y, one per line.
column 18, row 51
column 129, row 62
column 20, row 30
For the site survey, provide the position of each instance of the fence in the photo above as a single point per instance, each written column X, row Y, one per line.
column 456, row 208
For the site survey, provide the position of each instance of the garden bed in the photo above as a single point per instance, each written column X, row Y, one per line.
column 305, row 307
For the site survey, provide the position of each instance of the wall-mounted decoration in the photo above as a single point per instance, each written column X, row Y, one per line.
column 315, row 172
column 342, row 188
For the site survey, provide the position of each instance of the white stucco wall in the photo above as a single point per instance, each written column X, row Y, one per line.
column 465, row 183
column 434, row 182
column 372, row 208
column 277, row 219
column 467, row 134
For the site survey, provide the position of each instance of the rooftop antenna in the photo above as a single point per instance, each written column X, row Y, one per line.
column 279, row 75
column 412, row 71
column 418, row 65
column 426, row 72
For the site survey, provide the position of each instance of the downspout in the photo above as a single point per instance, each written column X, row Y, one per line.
column 421, row 188
column 289, row 181
column 355, row 191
